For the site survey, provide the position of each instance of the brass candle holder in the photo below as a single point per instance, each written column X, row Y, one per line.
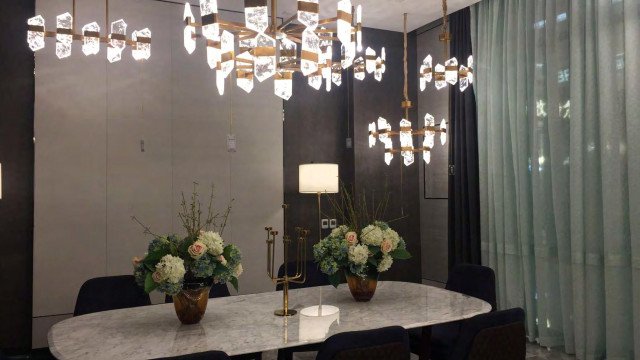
column 300, row 275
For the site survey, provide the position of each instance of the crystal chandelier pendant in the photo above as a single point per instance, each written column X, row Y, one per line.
column 441, row 83
column 308, row 13
column 227, row 58
column 370, row 60
column 64, row 35
column 429, row 133
column 378, row 73
column 336, row 74
column 310, row 52
column 141, row 51
column 244, row 67
column 359, row 69
column 283, row 84
column 210, row 25
column 426, row 72
column 348, row 52
column 345, row 18
column 443, row 132
column 288, row 50
column 372, row 139
column 91, row 43
column 315, row 80
column 265, row 57
column 470, row 70
column 220, row 78
column 451, row 71
column 426, row 155
column 406, row 142
column 189, row 31
column 35, row 39
column 116, row 41
column 464, row 81
column 213, row 56
column 384, row 60
column 256, row 16
column 359, row 28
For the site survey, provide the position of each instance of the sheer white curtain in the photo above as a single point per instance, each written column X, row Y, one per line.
column 559, row 142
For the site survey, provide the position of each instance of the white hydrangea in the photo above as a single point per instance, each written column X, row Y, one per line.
column 213, row 241
column 392, row 236
column 385, row 263
column 359, row 254
column 340, row 231
column 171, row 268
column 372, row 235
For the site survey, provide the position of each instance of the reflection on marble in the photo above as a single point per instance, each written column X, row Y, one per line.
column 246, row 324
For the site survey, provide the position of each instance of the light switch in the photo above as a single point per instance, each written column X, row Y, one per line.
column 231, row 143
column 325, row 223
column 333, row 223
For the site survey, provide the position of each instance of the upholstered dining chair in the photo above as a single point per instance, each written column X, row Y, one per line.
column 208, row 355
column 471, row 280
column 498, row 335
column 390, row 343
column 315, row 277
column 109, row 293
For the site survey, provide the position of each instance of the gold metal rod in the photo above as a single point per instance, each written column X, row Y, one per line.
column 274, row 18
column 106, row 24
column 73, row 25
column 327, row 21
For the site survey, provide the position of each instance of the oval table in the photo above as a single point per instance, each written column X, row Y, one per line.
column 246, row 324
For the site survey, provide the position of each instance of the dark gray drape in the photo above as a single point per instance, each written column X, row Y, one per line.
column 464, row 188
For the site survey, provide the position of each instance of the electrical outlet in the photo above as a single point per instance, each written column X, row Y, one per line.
column 333, row 223
column 349, row 143
column 231, row 143
column 325, row 223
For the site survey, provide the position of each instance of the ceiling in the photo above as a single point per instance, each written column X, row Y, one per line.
column 379, row 14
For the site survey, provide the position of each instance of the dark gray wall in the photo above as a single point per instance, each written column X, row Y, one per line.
column 16, row 156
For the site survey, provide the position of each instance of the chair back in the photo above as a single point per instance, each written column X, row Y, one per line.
column 208, row 355
column 498, row 335
column 474, row 280
column 217, row 291
column 390, row 343
column 315, row 277
column 109, row 293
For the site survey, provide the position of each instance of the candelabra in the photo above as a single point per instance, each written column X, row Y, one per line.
column 300, row 275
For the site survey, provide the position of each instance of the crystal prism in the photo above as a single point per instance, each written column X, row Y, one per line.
column 35, row 39
column 227, row 46
column 372, row 139
column 288, row 50
column 244, row 76
column 283, row 85
column 406, row 142
column 315, row 81
column 440, row 83
column 115, row 47
column 429, row 133
column 451, row 72
column 210, row 31
column 213, row 56
column 359, row 32
column 189, row 31
column 378, row 73
column 64, row 41
column 426, row 156
column 256, row 18
column 443, row 133
column 265, row 61
column 358, row 69
column 384, row 60
column 470, row 65
column 141, row 51
column 344, row 26
column 464, row 81
column 426, row 72
column 383, row 136
column 220, row 78
column 310, row 52
column 370, row 60
column 90, row 44
column 308, row 18
column 348, row 52
column 336, row 74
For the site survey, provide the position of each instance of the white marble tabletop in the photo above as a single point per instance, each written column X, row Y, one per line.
column 246, row 324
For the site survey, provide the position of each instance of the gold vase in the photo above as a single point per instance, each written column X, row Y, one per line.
column 191, row 304
column 362, row 288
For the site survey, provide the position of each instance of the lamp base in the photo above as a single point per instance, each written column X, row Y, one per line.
column 280, row 312
column 327, row 310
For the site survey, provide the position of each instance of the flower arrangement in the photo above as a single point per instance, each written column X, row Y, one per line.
column 200, row 257
column 359, row 251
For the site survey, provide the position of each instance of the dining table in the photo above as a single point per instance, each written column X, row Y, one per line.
column 246, row 324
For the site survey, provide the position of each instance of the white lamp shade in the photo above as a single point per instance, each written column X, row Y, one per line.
column 315, row 178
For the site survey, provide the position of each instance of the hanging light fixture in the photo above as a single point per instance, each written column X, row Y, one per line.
column 449, row 73
column 65, row 34
column 385, row 134
column 268, row 50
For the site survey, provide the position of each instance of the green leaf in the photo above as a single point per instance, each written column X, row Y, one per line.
column 373, row 261
column 152, row 258
column 335, row 279
column 234, row 282
column 400, row 254
column 149, row 284
column 220, row 269
column 374, row 250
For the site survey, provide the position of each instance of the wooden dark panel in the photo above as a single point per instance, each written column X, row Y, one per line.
column 16, row 156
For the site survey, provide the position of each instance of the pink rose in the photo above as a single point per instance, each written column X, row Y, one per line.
column 222, row 260
column 386, row 246
column 197, row 249
column 136, row 261
column 157, row 277
column 352, row 238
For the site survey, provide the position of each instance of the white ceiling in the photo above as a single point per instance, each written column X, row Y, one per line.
column 379, row 14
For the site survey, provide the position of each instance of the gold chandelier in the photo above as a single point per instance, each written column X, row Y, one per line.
column 384, row 133
column 65, row 34
column 449, row 73
column 266, row 49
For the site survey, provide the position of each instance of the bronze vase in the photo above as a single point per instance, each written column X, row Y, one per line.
column 191, row 303
column 362, row 288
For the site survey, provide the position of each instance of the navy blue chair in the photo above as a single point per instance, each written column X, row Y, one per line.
column 217, row 291
column 390, row 343
column 2, row 357
column 498, row 335
column 471, row 280
column 209, row 355
column 109, row 293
